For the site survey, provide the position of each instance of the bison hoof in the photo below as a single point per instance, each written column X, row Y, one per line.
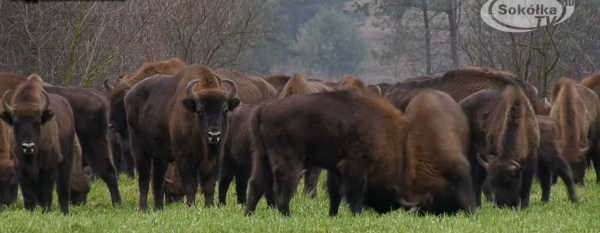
column 249, row 213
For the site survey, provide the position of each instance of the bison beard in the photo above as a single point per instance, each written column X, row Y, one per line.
column 360, row 139
column 42, row 142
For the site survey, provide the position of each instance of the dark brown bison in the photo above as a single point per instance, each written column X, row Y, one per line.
column 359, row 138
column 116, row 95
column 43, row 131
column 80, row 177
column 9, row 185
column 173, row 190
column 461, row 83
column 90, row 111
column 179, row 118
column 504, row 131
column 575, row 107
column 550, row 160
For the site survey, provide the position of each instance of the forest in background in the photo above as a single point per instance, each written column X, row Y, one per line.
column 83, row 43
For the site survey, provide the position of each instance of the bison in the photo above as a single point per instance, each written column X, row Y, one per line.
column 116, row 95
column 576, row 108
column 173, row 190
column 358, row 137
column 179, row 118
column 80, row 177
column 90, row 111
column 43, row 132
column 9, row 185
column 461, row 83
column 504, row 131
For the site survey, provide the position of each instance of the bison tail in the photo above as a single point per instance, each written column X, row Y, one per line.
column 516, row 103
column 261, row 169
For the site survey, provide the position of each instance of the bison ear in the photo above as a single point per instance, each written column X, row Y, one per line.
column 233, row 103
column 47, row 116
column 6, row 117
column 189, row 104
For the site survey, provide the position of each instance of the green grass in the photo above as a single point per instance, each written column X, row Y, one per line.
column 98, row 215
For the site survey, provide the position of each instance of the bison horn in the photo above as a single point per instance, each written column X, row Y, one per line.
column 408, row 204
column 190, row 89
column 482, row 162
column 168, row 181
column 517, row 165
column 545, row 101
column 46, row 103
column 5, row 104
column 233, row 86
column 378, row 89
column 107, row 86
column 413, row 209
column 586, row 148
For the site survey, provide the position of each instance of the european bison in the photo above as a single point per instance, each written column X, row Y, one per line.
column 80, row 177
column 550, row 160
column 575, row 107
column 116, row 96
column 278, row 82
column 350, row 82
column 461, row 83
column 181, row 118
column 9, row 185
column 173, row 190
column 90, row 111
column 360, row 139
column 504, row 131
column 43, row 132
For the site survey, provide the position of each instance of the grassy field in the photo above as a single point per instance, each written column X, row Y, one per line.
column 98, row 215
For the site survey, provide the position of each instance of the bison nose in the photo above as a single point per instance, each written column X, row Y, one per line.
column 214, row 136
column 28, row 148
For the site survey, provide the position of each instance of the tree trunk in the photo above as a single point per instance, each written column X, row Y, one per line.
column 425, row 8
column 452, row 10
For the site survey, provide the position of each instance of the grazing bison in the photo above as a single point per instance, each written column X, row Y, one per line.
column 9, row 185
column 179, row 118
column 91, row 124
column 461, row 83
column 550, row 160
column 575, row 107
column 505, row 132
column 80, row 177
column 358, row 137
column 42, row 137
column 173, row 190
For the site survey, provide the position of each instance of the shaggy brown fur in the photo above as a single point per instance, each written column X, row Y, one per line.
column 576, row 109
column 49, row 158
column 355, row 134
column 173, row 190
column 298, row 85
column 544, row 107
column 550, row 160
column 592, row 82
column 278, row 82
column 170, row 123
column 147, row 70
column 462, row 83
column 504, row 130
column 419, row 78
column 8, row 177
column 90, row 111
column 80, row 177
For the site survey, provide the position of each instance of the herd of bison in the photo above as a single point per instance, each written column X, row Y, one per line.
column 426, row 145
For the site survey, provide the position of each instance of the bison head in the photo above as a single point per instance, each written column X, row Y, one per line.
column 117, row 116
column 576, row 157
column 8, row 183
column 211, row 108
column 505, row 176
column 27, row 121
column 80, row 186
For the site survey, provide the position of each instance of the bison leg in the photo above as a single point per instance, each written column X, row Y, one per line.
column 260, row 181
column 62, row 186
column 334, row 185
column 225, row 180
column 355, row 186
column 116, row 155
column 45, row 183
column 594, row 155
column 95, row 151
column 241, row 185
column 209, row 182
column 286, row 179
column 311, row 181
column 478, row 175
column 488, row 191
column 189, row 179
column 528, row 177
column 144, row 168
column 561, row 168
column 29, row 191
column 545, row 177
column 128, row 164
column 465, row 194
column 158, row 182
